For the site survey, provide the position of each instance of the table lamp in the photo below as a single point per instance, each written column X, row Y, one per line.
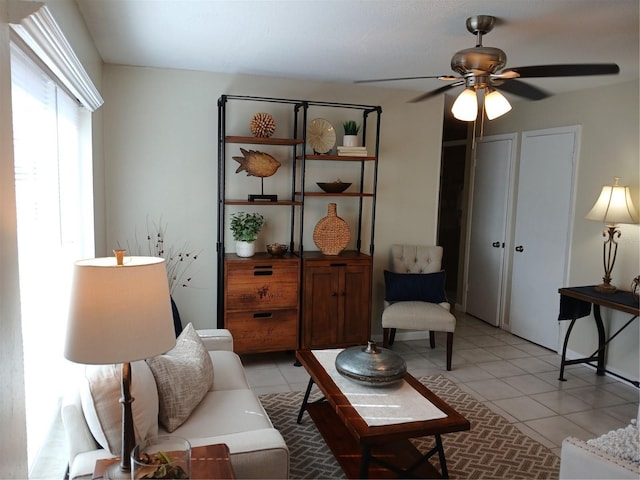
column 120, row 312
column 614, row 206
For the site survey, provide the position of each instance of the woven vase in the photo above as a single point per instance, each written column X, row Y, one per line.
column 331, row 234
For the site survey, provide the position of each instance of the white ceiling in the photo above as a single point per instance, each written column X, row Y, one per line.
column 347, row 40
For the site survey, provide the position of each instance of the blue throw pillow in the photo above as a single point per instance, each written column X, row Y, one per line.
column 424, row 287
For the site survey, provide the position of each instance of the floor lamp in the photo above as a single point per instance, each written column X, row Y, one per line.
column 614, row 206
column 120, row 312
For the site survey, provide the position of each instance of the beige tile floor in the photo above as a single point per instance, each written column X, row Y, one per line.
column 513, row 377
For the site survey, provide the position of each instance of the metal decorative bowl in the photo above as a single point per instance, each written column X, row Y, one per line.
column 277, row 249
column 371, row 365
column 334, row 187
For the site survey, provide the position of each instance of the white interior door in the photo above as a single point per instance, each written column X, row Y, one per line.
column 487, row 236
column 543, row 218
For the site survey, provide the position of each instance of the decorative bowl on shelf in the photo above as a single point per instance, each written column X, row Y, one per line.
column 277, row 249
column 334, row 187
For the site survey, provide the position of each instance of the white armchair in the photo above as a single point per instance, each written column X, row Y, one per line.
column 415, row 298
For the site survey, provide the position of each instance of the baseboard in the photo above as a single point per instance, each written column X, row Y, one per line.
column 612, row 372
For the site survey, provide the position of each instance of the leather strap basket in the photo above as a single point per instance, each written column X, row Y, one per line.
column 331, row 234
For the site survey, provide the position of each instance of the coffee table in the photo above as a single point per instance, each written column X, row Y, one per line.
column 379, row 451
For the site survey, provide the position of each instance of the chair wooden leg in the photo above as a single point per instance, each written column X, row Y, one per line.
column 449, row 349
column 392, row 337
column 432, row 338
column 388, row 337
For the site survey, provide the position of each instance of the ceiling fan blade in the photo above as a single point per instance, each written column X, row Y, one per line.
column 568, row 70
column 522, row 89
column 444, row 77
column 436, row 92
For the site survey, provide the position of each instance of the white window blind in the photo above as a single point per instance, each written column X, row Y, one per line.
column 54, row 203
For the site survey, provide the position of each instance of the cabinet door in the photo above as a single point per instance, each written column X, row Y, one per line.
column 336, row 308
column 356, row 315
column 320, row 306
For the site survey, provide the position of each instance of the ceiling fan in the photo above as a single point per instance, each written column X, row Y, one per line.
column 481, row 69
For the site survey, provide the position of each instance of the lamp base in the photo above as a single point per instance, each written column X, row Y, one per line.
column 605, row 288
column 115, row 472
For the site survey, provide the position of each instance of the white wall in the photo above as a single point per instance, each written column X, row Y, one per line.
column 161, row 161
column 610, row 126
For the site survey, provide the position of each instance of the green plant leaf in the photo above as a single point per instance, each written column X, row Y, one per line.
column 246, row 226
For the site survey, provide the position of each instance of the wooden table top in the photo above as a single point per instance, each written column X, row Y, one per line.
column 207, row 462
column 453, row 422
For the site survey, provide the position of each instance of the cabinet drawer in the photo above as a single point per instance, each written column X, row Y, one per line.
column 261, row 285
column 261, row 294
column 263, row 331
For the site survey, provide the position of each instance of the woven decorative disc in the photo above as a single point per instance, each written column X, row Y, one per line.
column 262, row 125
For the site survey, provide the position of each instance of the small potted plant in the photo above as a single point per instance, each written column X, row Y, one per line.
column 351, row 129
column 245, row 228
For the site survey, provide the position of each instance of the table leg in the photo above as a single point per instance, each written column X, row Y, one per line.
column 303, row 407
column 601, row 339
column 364, row 461
column 443, row 461
column 564, row 350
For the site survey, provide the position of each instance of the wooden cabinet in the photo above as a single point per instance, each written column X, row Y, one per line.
column 336, row 300
column 262, row 299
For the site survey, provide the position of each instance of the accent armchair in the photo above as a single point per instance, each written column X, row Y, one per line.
column 415, row 297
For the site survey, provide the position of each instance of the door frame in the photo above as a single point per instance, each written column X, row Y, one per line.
column 509, row 219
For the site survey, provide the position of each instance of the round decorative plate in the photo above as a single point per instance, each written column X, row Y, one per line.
column 321, row 136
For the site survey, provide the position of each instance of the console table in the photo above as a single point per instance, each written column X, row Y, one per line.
column 576, row 302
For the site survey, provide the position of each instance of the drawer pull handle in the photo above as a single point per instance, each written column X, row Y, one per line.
column 263, row 315
column 262, row 273
column 263, row 266
column 338, row 264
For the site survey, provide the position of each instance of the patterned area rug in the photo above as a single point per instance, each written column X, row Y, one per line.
column 492, row 449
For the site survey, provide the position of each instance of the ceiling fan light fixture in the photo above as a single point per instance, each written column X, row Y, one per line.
column 465, row 107
column 495, row 104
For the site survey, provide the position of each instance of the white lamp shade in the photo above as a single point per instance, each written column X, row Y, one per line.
column 466, row 106
column 614, row 206
column 119, row 313
column 496, row 105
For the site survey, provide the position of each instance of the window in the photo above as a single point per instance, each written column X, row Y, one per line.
column 54, row 205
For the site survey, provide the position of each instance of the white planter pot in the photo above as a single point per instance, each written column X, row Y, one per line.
column 350, row 141
column 245, row 249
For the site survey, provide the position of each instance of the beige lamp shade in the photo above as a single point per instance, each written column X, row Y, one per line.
column 119, row 313
column 614, row 206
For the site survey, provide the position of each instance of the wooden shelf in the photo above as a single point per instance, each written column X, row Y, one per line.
column 264, row 141
column 262, row 203
column 344, row 194
column 337, row 158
